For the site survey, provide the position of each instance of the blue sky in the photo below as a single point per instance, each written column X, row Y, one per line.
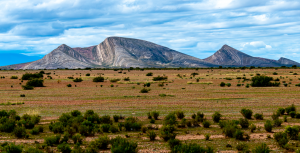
column 265, row 28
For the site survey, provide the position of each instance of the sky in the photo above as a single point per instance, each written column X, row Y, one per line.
column 30, row 29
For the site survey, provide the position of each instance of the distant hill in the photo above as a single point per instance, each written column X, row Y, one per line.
column 116, row 52
column 228, row 56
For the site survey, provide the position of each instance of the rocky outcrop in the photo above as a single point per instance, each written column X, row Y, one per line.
column 285, row 61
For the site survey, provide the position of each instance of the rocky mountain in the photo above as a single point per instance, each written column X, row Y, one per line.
column 228, row 56
column 114, row 52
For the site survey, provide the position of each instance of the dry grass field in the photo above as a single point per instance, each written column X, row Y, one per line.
column 182, row 93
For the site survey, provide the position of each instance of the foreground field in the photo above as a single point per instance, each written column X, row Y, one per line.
column 181, row 92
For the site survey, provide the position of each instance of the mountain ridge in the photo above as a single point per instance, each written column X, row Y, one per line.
column 123, row 52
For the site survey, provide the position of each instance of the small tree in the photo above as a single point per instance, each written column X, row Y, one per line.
column 247, row 113
column 268, row 126
column 216, row 117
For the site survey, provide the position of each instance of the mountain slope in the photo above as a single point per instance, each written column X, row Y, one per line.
column 228, row 56
column 115, row 52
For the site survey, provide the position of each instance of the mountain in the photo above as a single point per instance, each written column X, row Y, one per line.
column 114, row 52
column 228, row 56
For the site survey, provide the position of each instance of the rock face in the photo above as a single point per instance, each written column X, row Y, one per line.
column 228, row 56
column 114, row 52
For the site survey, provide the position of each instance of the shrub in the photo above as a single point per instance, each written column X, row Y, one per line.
column 292, row 132
column 20, row 132
column 206, row 124
column 190, row 148
column 149, row 74
column 26, row 87
column 222, row 84
column 290, row 109
column 152, row 135
column 281, row 138
column 35, row 131
column 170, row 119
column 247, row 113
column 126, row 79
column 88, row 74
column 121, row 145
column 114, row 80
column 252, row 127
column 293, row 114
column 32, row 150
column 216, row 117
column 258, row 116
column 167, row 132
column 173, row 142
column 69, row 85
column 77, row 80
column 284, row 118
column 281, row 111
column 242, row 147
column 14, row 77
column 155, row 114
column 12, row 148
column 263, row 148
column 105, row 119
column 64, row 148
column 263, row 81
column 113, row 129
column 52, row 140
column 56, row 127
column 132, row 124
column 239, row 134
column 160, row 78
column 99, row 143
column 77, row 138
column 244, row 122
column 268, row 126
column 98, row 79
column 207, row 136
column 180, row 114
column 144, row 90
column 116, row 118
column 228, row 84
column 277, row 123
column 71, row 78
column 275, row 116
column 29, row 76
column 105, row 127
column 35, row 83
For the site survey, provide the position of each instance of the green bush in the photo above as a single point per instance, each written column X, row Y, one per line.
column 64, row 148
column 105, row 127
column 88, row 74
column 244, row 123
column 263, row 81
column 206, row 124
column 12, row 148
column 77, row 138
column 263, row 148
column 239, row 134
column 20, row 132
column 170, row 119
column 216, row 117
column 121, row 145
column 99, row 143
column 247, row 113
column 268, row 126
column 52, row 140
column 191, row 148
column 71, row 78
column 290, row 109
column 29, row 76
column 126, row 79
column 35, row 131
column 155, row 114
column 258, row 116
column 32, row 150
column 222, row 84
column 252, row 127
column 35, row 83
column 69, row 85
column 113, row 129
column 116, row 118
column 144, row 90
column 114, row 80
column 131, row 124
column 173, row 142
column 14, row 77
column 243, row 147
column 167, row 132
column 180, row 114
column 149, row 74
column 77, row 80
column 292, row 132
column 277, row 123
column 152, row 135
column 56, row 127
column 281, row 138
column 228, row 84
column 281, row 111
column 293, row 114
column 98, row 79
column 160, row 78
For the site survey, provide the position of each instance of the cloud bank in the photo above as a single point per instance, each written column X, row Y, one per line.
column 269, row 28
